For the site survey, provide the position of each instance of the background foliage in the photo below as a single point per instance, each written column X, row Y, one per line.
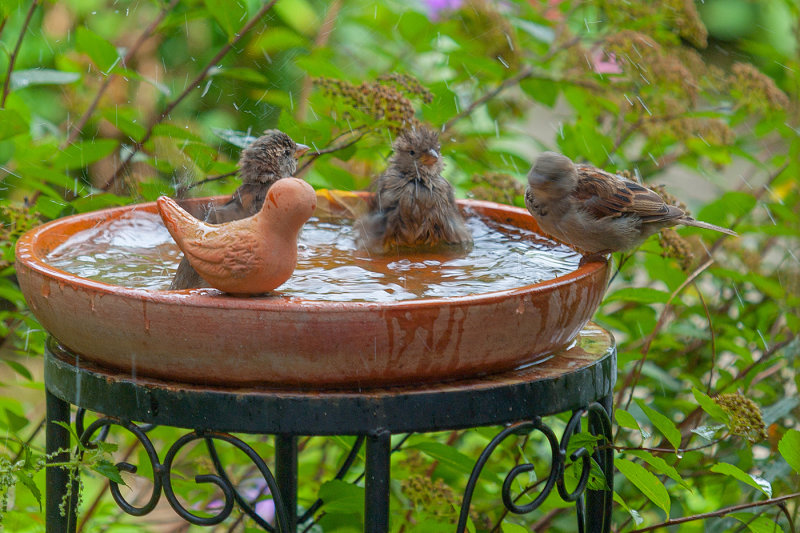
column 105, row 103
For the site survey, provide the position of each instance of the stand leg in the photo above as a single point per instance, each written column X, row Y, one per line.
column 57, row 478
column 378, row 470
column 598, row 502
column 286, row 476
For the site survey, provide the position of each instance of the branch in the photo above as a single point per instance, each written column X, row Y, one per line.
column 76, row 130
column 720, row 512
column 331, row 149
column 324, row 34
column 13, row 58
column 633, row 375
column 189, row 88
column 526, row 72
column 212, row 178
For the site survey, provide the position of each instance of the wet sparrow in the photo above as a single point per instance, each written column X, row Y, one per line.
column 596, row 211
column 414, row 205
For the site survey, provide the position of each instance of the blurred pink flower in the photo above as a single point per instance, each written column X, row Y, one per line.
column 605, row 63
column 552, row 12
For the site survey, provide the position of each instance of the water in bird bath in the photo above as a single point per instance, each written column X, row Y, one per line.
column 137, row 251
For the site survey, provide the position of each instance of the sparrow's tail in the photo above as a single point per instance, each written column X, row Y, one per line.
column 689, row 221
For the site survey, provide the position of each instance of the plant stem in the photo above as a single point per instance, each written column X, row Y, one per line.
column 13, row 58
column 324, row 34
column 720, row 512
column 526, row 72
column 78, row 127
column 191, row 86
column 633, row 376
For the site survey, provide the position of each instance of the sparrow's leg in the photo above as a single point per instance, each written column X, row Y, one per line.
column 597, row 257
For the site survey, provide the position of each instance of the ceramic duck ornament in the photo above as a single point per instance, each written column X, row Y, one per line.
column 251, row 255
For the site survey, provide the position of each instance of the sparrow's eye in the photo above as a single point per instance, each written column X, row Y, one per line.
column 287, row 152
column 411, row 152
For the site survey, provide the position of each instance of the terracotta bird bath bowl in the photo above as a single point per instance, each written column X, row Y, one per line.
column 208, row 337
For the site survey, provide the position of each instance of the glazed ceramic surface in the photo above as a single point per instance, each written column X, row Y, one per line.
column 203, row 336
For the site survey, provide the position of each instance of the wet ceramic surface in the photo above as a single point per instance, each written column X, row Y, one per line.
column 203, row 336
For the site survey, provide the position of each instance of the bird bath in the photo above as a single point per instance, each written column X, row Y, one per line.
column 291, row 339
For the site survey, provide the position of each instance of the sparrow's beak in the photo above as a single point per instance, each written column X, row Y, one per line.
column 429, row 158
column 301, row 149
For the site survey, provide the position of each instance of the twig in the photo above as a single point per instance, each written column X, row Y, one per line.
column 330, row 149
column 757, row 195
column 633, row 375
column 526, row 72
column 78, row 127
column 324, row 34
column 99, row 498
column 3, row 25
column 212, row 178
column 713, row 338
column 720, row 512
column 189, row 88
column 13, row 57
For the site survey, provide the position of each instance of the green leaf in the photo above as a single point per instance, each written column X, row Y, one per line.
column 277, row 39
column 646, row 482
column 544, row 91
column 230, row 14
column 626, row 420
column 298, row 15
column 789, row 446
column 710, row 406
column 757, row 524
column 81, row 154
column 125, row 120
column 41, row 76
column 342, row 497
column 102, row 52
column 737, row 473
column 11, row 124
column 240, row 73
column 660, row 466
column 20, row 369
column 93, row 202
column 108, row 470
column 175, row 132
column 644, row 295
column 446, row 455
column 15, row 421
column 665, row 425
column 27, row 481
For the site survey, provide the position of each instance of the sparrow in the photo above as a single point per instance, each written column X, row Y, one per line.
column 595, row 211
column 413, row 205
column 252, row 255
column 271, row 157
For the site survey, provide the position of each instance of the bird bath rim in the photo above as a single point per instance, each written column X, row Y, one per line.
column 205, row 336
column 209, row 297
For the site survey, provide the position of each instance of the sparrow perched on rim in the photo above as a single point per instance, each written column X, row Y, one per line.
column 271, row 157
column 595, row 211
column 413, row 205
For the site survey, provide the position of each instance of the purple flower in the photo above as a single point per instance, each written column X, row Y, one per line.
column 435, row 7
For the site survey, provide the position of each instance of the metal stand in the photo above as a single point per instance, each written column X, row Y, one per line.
column 579, row 379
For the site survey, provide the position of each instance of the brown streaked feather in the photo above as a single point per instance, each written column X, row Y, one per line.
column 607, row 195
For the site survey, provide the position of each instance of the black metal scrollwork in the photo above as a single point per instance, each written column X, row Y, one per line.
column 599, row 424
column 162, row 474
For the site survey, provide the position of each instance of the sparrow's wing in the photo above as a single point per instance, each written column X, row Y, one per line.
column 606, row 195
